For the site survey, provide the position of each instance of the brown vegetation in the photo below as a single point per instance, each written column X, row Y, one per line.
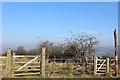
column 119, row 69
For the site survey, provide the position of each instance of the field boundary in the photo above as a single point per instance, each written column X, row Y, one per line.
column 23, row 65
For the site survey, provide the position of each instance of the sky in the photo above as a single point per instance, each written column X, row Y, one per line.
column 60, row 0
column 119, row 32
column 119, row 24
column 26, row 23
column 0, row 26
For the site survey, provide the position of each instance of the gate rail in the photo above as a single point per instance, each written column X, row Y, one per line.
column 103, row 66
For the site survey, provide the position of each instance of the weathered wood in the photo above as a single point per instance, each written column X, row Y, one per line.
column 107, row 66
column 28, row 63
column 95, row 65
column 13, row 64
column 0, row 68
column 36, row 66
column 100, row 73
column 25, row 56
column 27, row 70
column 9, row 63
column 101, row 65
column 43, row 62
column 102, row 68
column 2, row 56
column 116, row 53
column 20, row 74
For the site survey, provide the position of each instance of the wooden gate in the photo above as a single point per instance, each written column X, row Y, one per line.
column 103, row 66
column 19, row 65
column 26, row 65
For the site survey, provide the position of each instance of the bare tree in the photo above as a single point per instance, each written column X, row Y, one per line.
column 78, row 46
column 81, row 45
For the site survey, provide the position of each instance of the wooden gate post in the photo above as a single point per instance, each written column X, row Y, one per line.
column 107, row 66
column 13, row 64
column 9, row 63
column 43, row 62
column 95, row 65
column 116, row 53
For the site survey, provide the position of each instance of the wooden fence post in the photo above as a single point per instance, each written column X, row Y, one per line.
column 107, row 66
column 43, row 62
column 13, row 64
column 95, row 65
column 9, row 63
column 0, row 68
column 116, row 53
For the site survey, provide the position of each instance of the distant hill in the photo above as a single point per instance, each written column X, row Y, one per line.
column 101, row 51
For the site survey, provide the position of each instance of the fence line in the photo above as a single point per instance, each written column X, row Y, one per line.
column 35, row 64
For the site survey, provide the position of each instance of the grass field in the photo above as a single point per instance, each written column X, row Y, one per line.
column 52, row 71
column 59, row 70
